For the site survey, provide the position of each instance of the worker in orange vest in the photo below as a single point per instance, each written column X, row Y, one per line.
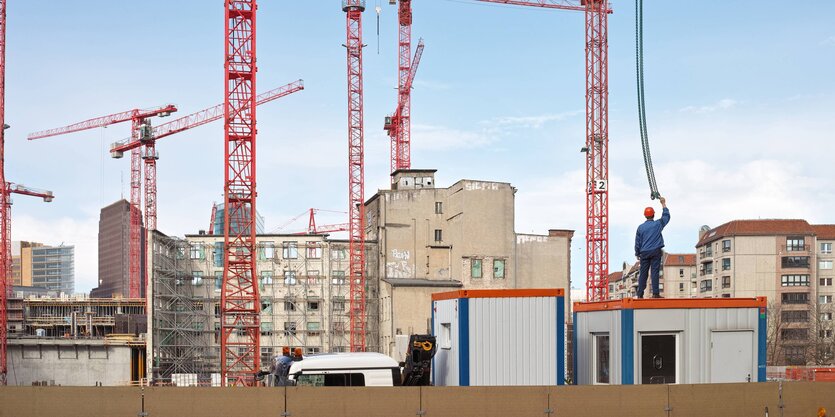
column 649, row 245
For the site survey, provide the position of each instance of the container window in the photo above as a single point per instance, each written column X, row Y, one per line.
column 659, row 354
column 601, row 358
column 446, row 335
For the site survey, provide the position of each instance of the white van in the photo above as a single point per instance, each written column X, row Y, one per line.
column 355, row 369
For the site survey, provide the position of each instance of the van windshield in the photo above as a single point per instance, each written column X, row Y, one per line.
column 331, row 380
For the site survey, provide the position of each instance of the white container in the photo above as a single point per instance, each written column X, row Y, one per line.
column 499, row 337
column 670, row 341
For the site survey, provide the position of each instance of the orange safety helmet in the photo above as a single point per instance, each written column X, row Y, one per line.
column 649, row 212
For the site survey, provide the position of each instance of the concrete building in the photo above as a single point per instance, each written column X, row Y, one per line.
column 22, row 262
column 303, row 291
column 788, row 261
column 114, row 252
column 434, row 240
column 53, row 268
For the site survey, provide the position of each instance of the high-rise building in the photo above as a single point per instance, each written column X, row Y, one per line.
column 53, row 268
column 22, row 262
column 114, row 252
column 217, row 221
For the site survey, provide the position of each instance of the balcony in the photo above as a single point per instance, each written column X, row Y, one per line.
column 795, row 248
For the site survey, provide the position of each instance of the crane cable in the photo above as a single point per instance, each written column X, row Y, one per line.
column 642, row 114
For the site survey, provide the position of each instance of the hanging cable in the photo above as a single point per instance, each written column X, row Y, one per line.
column 642, row 113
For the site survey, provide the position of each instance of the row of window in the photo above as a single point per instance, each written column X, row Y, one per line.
column 477, row 272
column 803, row 298
column 793, row 244
column 802, row 316
column 802, row 334
column 267, row 250
column 266, row 278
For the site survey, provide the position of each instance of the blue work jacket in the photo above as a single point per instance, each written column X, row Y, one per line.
column 648, row 238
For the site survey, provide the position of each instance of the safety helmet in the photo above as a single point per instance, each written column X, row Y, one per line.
column 649, row 212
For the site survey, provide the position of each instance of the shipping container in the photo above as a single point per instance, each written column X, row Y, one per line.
column 499, row 337
column 670, row 341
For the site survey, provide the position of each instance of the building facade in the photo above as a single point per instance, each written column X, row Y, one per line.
column 22, row 262
column 434, row 239
column 788, row 261
column 114, row 252
column 676, row 278
column 51, row 267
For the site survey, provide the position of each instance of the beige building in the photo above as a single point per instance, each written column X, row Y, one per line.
column 788, row 261
column 22, row 262
column 434, row 239
column 675, row 280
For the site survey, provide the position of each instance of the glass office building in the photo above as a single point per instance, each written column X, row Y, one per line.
column 53, row 268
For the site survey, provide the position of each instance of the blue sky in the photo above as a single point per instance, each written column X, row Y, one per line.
column 740, row 111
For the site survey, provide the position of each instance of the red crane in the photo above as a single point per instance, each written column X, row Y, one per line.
column 597, row 136
column 6, row 265
column 240, row 344
column 5, row 223
column 140, row 131
column 356, row 174
column 312, row 229
column 398, row 124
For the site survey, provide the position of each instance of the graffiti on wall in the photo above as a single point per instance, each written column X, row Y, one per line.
column 400, row 266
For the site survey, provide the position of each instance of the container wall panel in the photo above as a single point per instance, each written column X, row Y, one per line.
column 445, row 367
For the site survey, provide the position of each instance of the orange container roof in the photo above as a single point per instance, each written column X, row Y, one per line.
column 540, row 292
column 670, row 303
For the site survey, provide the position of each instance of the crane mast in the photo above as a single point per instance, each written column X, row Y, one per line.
column 597, row 135
column 240, row 342
column 402, row 141
column 356, row 174
column 5, row 222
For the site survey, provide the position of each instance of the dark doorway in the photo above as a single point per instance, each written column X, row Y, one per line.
column 658, row 359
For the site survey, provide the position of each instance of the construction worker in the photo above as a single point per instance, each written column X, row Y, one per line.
column 648, row 247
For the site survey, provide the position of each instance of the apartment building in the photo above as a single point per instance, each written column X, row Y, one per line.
column 675, row 280
column 788, row 261
column 433, row 239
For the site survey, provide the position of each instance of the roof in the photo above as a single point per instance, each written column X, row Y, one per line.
column 765, row 227
column 824, row 231
column 418, row 282
column 349, row 360
column 680, row 259
column 539, row 292
column 616, row 276
column 670, row 303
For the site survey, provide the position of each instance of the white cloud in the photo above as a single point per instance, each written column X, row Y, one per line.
column 724, row 104
column 441, row 138
column 531, row 122
column 829, row 41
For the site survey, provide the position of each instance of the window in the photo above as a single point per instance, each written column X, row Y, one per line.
column 826, row 282
column 600, row 361
column 439, row 207
column 824, row 264
column 332, row 380
column 338, row 254
column 312, row 306
column 217, row 253
column 795, row 355
column 289, row 328
column 446, row 336
column 794, row 281
column 795, row 262
column 218, row 280
column 795, row 298
column 726, row 264
column 475, row 268
column 266, row 278
column 266, row 306
column 498, row 268
column 825, row 299
column 289, row 306
column 795, row 316
column 197, row 252
column 439, row 235
column 826, row 248
column 338, row 305
column 338, row 327
column 681, row 272
column 794, row 334
column 795, row 244
column 266, row 328
column 289, row 277
column 825, row 333
column 708, row 251
column 267, row 250
column 726, row 296
column 290, row 250
column 266, row 354
column 706, row 285
column 693, row 284
column 681, row 287
column 826, row 317
column 726, row 245
column 708, row 268
column 312, row 350
column 338, row 277
column 313, row 277
column 313, row 328
column 196, row 278
column 726, row 282
column 314, row 250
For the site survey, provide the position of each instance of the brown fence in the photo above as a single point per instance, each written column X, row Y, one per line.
column 786, row 399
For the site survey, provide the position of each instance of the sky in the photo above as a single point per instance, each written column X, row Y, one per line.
column 740, row 110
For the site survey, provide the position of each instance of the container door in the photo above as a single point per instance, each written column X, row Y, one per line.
column 659, row 359
column 732, row 356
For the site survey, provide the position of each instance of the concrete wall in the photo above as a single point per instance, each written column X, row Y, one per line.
column 795, row 399
column 68, row 362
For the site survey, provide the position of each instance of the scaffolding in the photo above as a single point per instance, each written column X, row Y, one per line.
column 182, row 336
column 78, row 317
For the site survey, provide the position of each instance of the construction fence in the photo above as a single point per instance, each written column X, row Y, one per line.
column 777, row 399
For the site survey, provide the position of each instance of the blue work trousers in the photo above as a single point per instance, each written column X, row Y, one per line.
column 649, row 259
